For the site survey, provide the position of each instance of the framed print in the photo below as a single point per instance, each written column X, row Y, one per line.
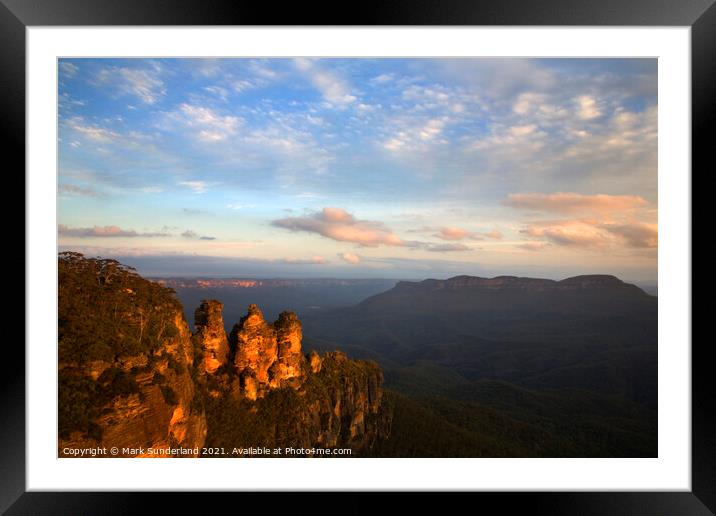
column 435, row 250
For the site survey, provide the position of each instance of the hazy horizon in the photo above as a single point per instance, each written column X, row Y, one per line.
column 361, row 168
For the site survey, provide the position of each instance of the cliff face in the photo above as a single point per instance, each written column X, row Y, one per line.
column 351, row 414
column 125, row 364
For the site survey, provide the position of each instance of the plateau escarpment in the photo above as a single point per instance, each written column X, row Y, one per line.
column 133, row 376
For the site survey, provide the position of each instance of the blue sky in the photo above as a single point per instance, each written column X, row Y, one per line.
column 361, row 167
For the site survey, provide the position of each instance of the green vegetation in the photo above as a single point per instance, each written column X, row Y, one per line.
column 106, row 310
column 497, row 419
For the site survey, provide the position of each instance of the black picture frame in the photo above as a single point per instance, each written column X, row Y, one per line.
column 16, row 15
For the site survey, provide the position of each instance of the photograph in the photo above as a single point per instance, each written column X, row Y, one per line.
column 385, row 257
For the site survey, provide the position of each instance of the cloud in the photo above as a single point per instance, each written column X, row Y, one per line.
column 338, row 224
column 351, row 258
column 243, row 85
column 587, row 233
column 314, row 260
column 574, row 233
column 218, row 91
column 494, row 234
column 447, row 248
column 193, row 211
column 91, row 131
column 636, row 234
column 432, row 129
column 334, row 89
column 103, row 232
column 194, row 236
column 587, row 107
column 452, row 233
column 68, row 69
column 144, row 83
column 211, row 126
column 382, row 78
column 564, row 202
column 66, row 189
column 199, row 187
column 416, row 134
column 535, row 245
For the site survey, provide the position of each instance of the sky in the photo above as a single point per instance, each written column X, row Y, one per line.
column 394, row 168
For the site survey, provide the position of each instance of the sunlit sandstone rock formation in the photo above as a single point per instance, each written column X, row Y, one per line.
column 210, row 334
column 267, row 356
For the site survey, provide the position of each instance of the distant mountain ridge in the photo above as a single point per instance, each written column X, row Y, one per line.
column 504, row 295
column 591, row 281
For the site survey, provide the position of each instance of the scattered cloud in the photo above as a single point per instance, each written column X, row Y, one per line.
column 338, row 224
column 144, row 83
column 565, row 202
column 314, row 260
column 382, row 78
column 104, row 232
column 218, row 91
column 243, row 85
column 68, row 69
column 587, row 233
column 211, row 126
column 193, row 235
column 446, row 248
column 198, row 187
column 351, row 258
column 334, row 89
column 536, row 245
column 75, row 190
column 587, row 107
column 453, row 233
column 194, row 211
column 635, row 234
column 91, row 131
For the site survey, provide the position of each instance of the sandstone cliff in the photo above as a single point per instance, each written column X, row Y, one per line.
column 125, row 363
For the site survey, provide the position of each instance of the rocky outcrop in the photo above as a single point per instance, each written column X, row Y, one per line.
column 289, row 366
column 278, row 396
column 315, row 362
column 352, row 415
column 267, row 356
column 147, row 402
column 211, row 336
